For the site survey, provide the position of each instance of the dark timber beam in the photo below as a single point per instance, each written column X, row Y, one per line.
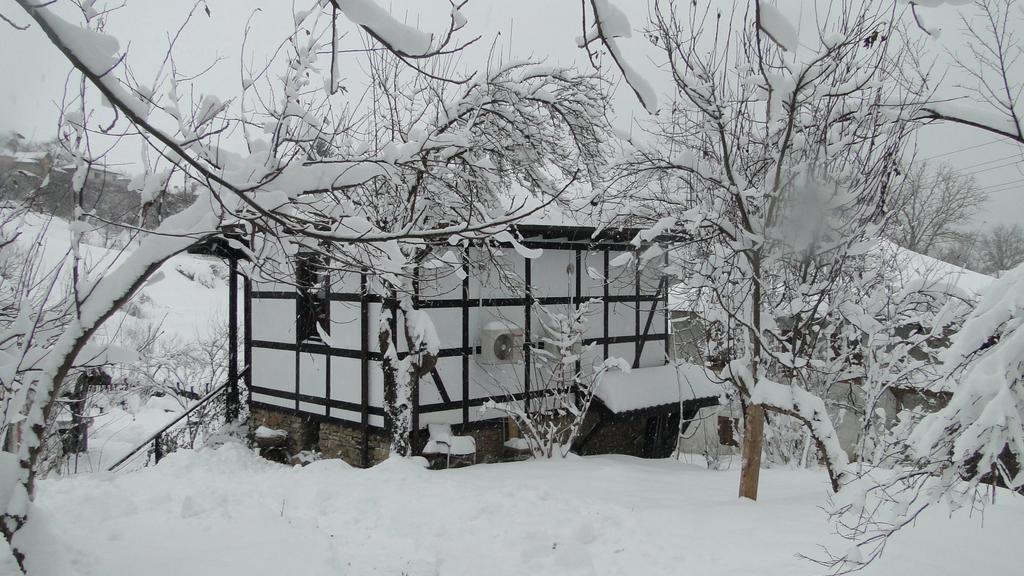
column 465, row 336
column 232, row 401
column 527, row 295
column 605, row 282
column 364, row 368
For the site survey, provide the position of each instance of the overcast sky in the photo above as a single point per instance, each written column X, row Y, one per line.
column 33, row 73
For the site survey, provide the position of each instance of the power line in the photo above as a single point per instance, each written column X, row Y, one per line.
column 991, row 168
column 1015, row 157
column 944, row 154
column 1002, row 186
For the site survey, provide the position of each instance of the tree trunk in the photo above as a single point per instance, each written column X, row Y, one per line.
column 753, row 440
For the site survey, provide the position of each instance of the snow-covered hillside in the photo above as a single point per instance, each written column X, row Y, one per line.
column 227, row 511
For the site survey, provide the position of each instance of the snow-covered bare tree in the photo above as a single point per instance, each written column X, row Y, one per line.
column 363, row 181
column 1001, row 248
column 976, row 438
column 991, row 60
column 784, row 155
column 933, row 208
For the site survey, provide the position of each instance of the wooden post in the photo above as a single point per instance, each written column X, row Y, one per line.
column 753, row 440
column 232, row 403
column 364, row 368
column 466, row 353
column 247, row 335
column 527, row 299
column 605, row 305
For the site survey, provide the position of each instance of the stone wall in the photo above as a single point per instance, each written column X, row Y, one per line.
column 340, row 440
column 303, row 430
column 624, row 434
column 612, row 437
column 643, row 434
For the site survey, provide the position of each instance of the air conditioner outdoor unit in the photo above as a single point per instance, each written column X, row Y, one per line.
column 501, row 343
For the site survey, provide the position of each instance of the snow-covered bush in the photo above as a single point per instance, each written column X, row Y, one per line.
column 567, row 375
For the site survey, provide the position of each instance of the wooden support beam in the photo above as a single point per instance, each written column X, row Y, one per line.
column 465, row 337
column 247, row 350
column 647, row 326
column 364, row 368
column 638, row 345
column 607, row 273
column 527, row 305
column 232, row 402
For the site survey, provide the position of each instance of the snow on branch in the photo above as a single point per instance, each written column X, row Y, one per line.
column 985, row 416
column 776, row 26
column 398, row 37
column 974, row 117
column 94, row 51
column 809, row 409
column 611, row 23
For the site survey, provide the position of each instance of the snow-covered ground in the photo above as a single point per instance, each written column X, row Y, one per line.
column 226, row 511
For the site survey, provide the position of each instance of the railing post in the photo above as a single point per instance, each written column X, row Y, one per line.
column 158, row 451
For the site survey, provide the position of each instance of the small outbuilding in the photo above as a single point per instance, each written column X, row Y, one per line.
column 315, row 365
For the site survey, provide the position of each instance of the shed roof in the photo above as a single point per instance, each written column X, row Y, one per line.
column 643, row 388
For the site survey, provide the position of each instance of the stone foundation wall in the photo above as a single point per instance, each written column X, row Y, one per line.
column 613, row 437
column 303, row 430
column 339, row 440
column 629, row 434
column 621, row 435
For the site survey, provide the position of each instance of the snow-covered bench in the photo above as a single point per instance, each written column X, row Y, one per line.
column 443, row 443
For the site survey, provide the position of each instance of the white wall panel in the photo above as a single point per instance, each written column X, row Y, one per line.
column 487, row 381
column 273, row 369
column 450, row 370
column 448, row 322
column 443, row 417
column 345, row 283
column 349, row 415
column 273, row 320
column 312, row 408
column 440, row 283
column 345, row 325
column 346, row 379
column 626, row 351
column 553, row 273
column 273, row 400
column 376, row 387
column 653, row 354
column 592, row 279
column 622, row 319
column 313, row 374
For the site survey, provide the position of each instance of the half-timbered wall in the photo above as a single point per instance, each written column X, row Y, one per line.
column 341, row 378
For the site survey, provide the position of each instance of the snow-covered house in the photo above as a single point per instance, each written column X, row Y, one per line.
column 316, row 365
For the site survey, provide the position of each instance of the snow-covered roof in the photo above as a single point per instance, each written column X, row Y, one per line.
column 642, row 388
column 907, row 270
column 577, row 213
column 931, row 272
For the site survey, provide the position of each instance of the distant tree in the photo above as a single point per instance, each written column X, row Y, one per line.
column 962, row 252
column 1001, row 248
column 934, row 204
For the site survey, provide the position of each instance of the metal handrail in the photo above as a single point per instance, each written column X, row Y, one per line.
column 155, row 437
